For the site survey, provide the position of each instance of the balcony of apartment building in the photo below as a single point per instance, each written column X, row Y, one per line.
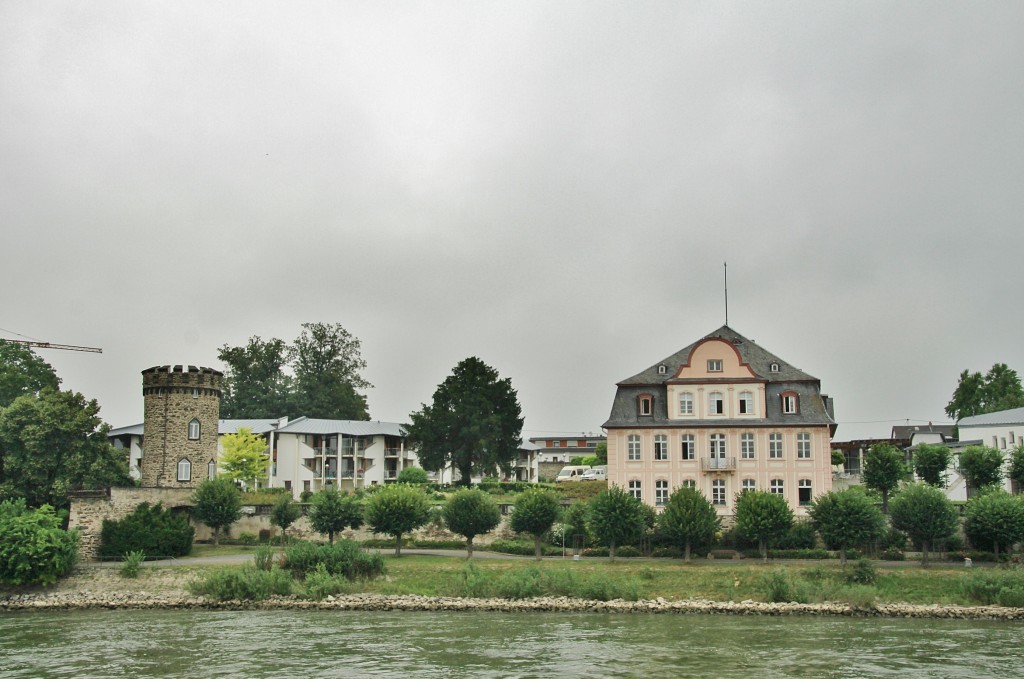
column 718, row 464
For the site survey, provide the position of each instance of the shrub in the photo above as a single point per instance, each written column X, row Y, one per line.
column 130, row 565
column 535, row 581
column 263, row 560
column 1002, row 587
column 242, row 584
column 344, row 558
column 521, row 548
column 34, row 548
column 413, row 475
column 248, row 539
column 860, row 597
column 320, row 584
column 863, row 572
column 149, row 528
column 892, row 554
column 778, row 587
column 801, row 535
column 629, row 551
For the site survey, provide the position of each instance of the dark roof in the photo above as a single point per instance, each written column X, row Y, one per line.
column 759, row 360
column 906, row 431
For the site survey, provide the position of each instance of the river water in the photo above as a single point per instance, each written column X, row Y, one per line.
column 196, row 644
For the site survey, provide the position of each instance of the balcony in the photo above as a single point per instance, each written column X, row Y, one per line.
column 718, row 464
column 392, row 452
column 351, row 474
column 390, row 474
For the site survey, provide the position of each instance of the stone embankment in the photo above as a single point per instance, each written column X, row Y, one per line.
column 373, row 602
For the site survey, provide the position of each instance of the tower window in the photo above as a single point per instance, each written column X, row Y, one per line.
column 211, row 470
column 184, row 469
column 194, row 429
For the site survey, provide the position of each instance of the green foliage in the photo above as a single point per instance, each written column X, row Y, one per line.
column 326, row 361
column 589, row 460
column 474, row 423
column 397, row 509
column 862, row 573
column 413, row 475
column 884, row 468
column 846, row 519
column 242, row 584
column 801, row 535
column 778, row 586
column 575, row 519
column 536, row 581
column 263, row 559
column 23, row 373
column 34, row 548
column 321, row 584
column 521, row 548
column 581, row 490
column 838, row 458
column 764, row 517
column 1016, row 471
column 52, row 443
column 284, row 513
column 689, row 519
column 471, row 512
column 218, row 504
column 616, row 518
column 244, row 457
column 931, row 460
column 601, row 452
column 535, row 512
column 331, row 512
column 988, row 587
column 994, row 519
column 981, row 466
column 255, row 384
column 999, row 389
column 343, row 558
column 150, row 529
column 925, row 514
column 132, row 562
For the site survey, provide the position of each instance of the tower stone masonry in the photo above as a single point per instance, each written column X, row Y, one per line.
column 182, row 411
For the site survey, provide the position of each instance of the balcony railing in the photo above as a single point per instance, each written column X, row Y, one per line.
column 390, row 474
column 392, row 452
column 718, row 464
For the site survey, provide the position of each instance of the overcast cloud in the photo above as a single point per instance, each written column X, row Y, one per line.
column 550, row 186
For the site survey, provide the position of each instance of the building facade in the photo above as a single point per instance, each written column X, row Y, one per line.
column 562, row 448
column 1002, row 430
column 722, row 415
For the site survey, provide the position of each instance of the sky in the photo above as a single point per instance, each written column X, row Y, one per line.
column 552, row 187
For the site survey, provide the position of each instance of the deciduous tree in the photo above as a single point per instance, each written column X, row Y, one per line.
column 536, row 510
column 981, row 466
column 284, row 513
column 846, row 519
column 331, row 512
column 397, row 509
column 1016, row 470
column 255, row 382
column 994, row 519
column 616, row 518
column 470, row 512
column 244, row 457
column 931, row 460
column 975, row 394
column 23, row 373
column 473, row 424
column 413, row 475
column 327, row 362
column 689, row 519
column 762, row 516
column 925, row 514
column 884, row 468
column 218, row 504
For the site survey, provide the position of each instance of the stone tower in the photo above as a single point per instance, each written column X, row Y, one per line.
column 182, row 410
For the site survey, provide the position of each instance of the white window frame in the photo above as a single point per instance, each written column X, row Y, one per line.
column 689, row 483
column 688, row 445
column 686, row 404
column 777, row 487
column 776, row 449
column 749, row 485
column 747, row 446
column 801, row 485
column 718, row 491
column 646, row 405
column 803, row 446
column 184, row 470
column 746, row 403
column 634, row 447
column 714, row 365
column 195, row 429
column 635, row 489
column 790, row 404
column 211, row 469
column 660, row 493
column 660, row 447
column 716, row 403
column 716, row 444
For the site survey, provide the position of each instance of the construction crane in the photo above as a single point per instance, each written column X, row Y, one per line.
column 50, row 345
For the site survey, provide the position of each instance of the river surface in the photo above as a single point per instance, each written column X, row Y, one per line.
column 196, row 644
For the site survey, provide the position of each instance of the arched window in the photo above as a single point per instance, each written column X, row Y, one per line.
column 777, row 487
column 716, row 404
column 634, row 489
column 211, row 470
column 194, row 429
column 660, row 447
column 661, row 492
column 746, row 403
column 184, row 469
column 689, row 483
column 645, row 404
column 689, row 449
column 718, row 492
column 749, row 485
column 747, row 446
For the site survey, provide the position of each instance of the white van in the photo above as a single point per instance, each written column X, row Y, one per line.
column 595, row 474
column 571, row 473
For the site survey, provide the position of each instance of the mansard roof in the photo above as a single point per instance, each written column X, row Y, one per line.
column 759, row 360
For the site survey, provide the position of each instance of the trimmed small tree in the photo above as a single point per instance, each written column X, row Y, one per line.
column 616, row 518
column 1016, row 471
column 931, row 461
column 218, row 504
column 331, row 512
column 884, row 468
column 284, row 513
column 762, row 516
column 994, row 519
column 244, row 457
column 536, row 510
column 397, row 509
column 413, row 475
column 846, row 519
column 925, row 514
column 981, row 466
column 471, row 512
column 689, row 519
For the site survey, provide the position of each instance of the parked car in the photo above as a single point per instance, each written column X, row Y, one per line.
column 571, row 473
column 595, row 474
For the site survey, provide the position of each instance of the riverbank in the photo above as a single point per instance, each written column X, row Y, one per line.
column 165, row 588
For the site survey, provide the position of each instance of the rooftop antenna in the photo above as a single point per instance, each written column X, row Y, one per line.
column 725, row 266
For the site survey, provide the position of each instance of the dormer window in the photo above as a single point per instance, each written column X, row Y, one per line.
column 645, row 404
column 714, row 365
column 774, row 367
column 194, row 430
column 662, row 369
column 790, row 403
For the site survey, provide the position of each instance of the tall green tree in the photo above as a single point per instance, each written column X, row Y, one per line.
column 470, row 512
column 762, row 516
column 884, row 468
column 994, row 519
column 244, row 457
column 925, row 514
column 976, row 394
column 689, row 519
column 846, row 519
column 536, row 510
column 331, row 512
column 981, row 466
column 616, row 518
column 601, row 452
column 473, row 424
column 23, row 373
column 218, row 504
column 52, row 443
column 256, row 385
column 1016, row 470
column 284, row 513
column 397, row 509
column 931, row 460
column 327, row 362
